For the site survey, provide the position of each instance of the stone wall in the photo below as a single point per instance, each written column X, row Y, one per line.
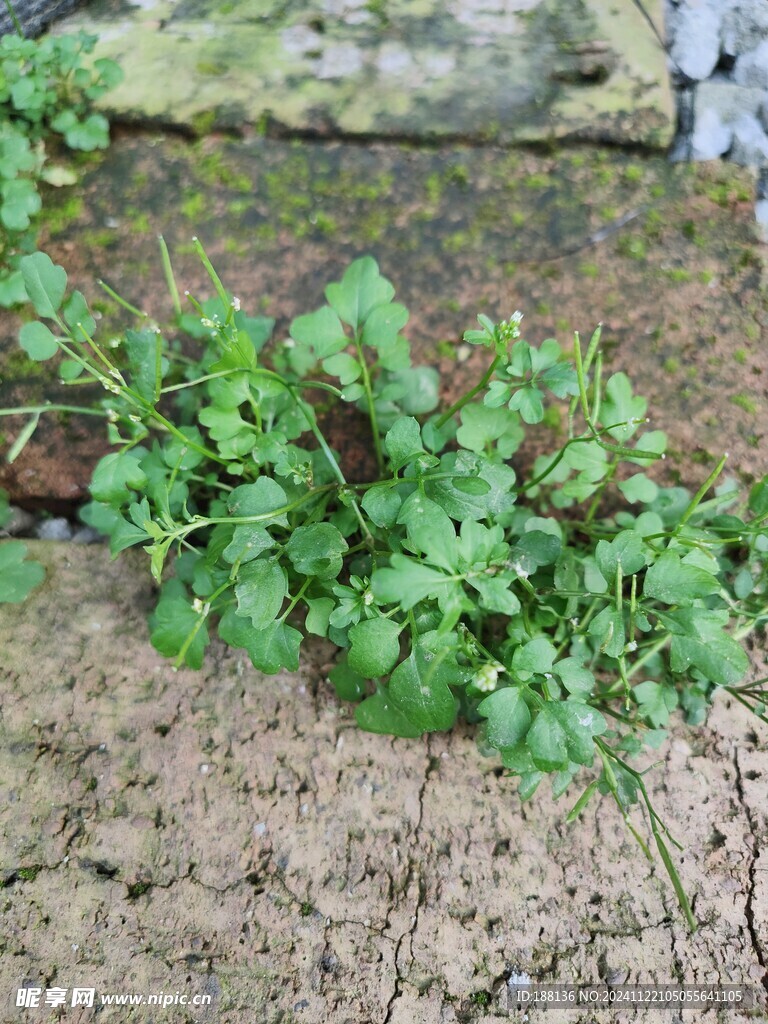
column 718, row 52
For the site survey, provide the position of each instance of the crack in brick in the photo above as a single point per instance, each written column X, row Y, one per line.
column 431, row 764
column 749, row 909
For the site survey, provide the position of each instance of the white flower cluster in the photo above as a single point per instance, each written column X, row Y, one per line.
column 487, row 676
column 509, row 330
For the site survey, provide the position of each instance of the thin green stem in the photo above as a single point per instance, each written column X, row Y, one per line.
column 206, row 610
column 700, row 494
column 53, row 407
column 749, row 627
column 220, row 290
column 199, row 380
column 172, row 429
column 648, row 654
column 295, row 600
column 170, row 280
column 598, row 497
column 658, row 828
column 14, row 19
column 371, row 404
column 459, row 405
column 121, row 301
column 111, row 368
column 199, row 522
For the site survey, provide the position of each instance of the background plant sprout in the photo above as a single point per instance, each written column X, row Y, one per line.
column 46, row 100
column 568, row 613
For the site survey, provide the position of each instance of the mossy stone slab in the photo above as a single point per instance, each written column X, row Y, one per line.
column 496, row 70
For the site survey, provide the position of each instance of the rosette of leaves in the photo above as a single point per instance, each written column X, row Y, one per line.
column 46, row 98
column 568, row 612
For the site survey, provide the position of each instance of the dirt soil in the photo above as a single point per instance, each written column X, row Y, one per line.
column 665, row 256
column 221, row 833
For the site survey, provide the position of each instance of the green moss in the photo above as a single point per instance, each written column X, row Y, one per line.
column 445, row 349
column 752, row 330
column 705, row 277
column 235, row 246
column 677, row 274
column 378, row 8
column 58, row 216
column 633, row 173
column 457, row 241
column 458, row 174
column 193, row 205
column 604, row 175
column 16, row 365
column 654, row 223
column 213, row 169
column 632, row 247
column 481, row 999
column 324, row 223
column 589, row 269
column 210, row 68
column 139, row 220
column 671, row 365
column 433, row 187
column 202, row 123
column 237, row 207
column 104, row 238
column 553, row 418
column 740, row 356
column 136, row 889
column 306, row 909
column 744, row 402
column 29, row 874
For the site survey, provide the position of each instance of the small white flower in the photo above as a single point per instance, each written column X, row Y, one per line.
column 235, row 303
column 486, row 677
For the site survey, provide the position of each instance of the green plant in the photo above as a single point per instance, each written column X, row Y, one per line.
column 567, row 613
column 45, row 100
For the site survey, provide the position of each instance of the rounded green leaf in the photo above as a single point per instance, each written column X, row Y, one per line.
column 382, row 504
column 317, row 550
column 546, row 741
column 45, row 283
column 17, row 576
column 37, row 341
column 377, row 714
column 375, row 647
column 508, row 717
column 419, row 690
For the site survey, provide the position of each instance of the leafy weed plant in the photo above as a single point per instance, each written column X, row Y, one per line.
column 568, row 614
column 46, row 94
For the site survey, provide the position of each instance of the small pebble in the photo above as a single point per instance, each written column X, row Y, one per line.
column 20, row 522
column 87, row 535
column 54, row 529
